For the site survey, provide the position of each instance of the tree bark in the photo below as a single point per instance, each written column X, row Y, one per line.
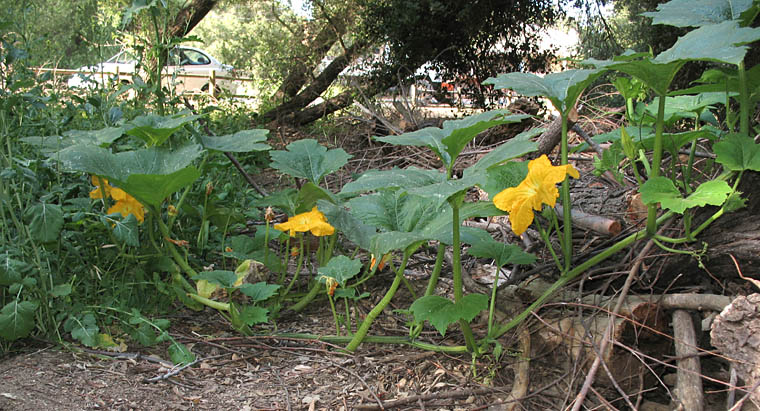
column 299, row 72
column 315, row 89
column 189, row 17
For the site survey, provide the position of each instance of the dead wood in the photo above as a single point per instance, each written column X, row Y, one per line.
column 602, row 225
column 736, row 334
column 553, row 134
column 688, row 390
column 522, row 374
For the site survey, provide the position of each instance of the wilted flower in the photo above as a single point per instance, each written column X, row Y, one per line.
column 269, row 215
column 538, row 188
column 313, row 221
column 382, row 263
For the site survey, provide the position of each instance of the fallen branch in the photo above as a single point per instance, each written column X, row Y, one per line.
column 428, row 397
column 522, row 374
column 688, row 381
column 599, row 224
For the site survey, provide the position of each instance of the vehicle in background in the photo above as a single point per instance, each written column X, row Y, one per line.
column 188, row 69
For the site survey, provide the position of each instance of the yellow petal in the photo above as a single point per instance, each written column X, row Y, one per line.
column 313, row 221
column 539, row 187
column 319, row 229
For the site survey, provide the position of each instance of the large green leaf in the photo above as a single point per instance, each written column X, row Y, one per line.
column 240, row 142
column 394, row 210
column 45, row 221
column 259, row 291
column 518, row 146
column 457, row 133
column 347, row 223
column 440, row 192
column 341, row 269
column 12, row 270
column 504, row 176
column 500, row 252
column 150, row 175
column 440, row 312
column 738, row 152
column 224, row 278
column 84, row 329
column 662, row 190
column 384, row 243
column 125, row 230
column 154, row 129
column 252, row 315
column 448, row 142
column 49, row 144
column 694, row 13
column 17, row 319
column 721, row 43
column 657, row 75
column 308, row 159
column 374, row 180
column 152, row 189
column 563, row 88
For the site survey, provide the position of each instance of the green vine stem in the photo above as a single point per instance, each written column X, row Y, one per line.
column 570, row 275
column 456, row 262
column 179, row 259
column 374, row 339
column 743, row 101
column 433, row 280
column 567, row 221
column 306, row 299
column 656, row 161
column 361, row 332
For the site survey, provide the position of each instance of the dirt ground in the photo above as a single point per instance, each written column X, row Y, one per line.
column 267, row 372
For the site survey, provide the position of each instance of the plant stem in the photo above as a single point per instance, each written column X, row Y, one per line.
column 656, row 161
column 567, row 221
column 306, row 299
column 564, row 279
column 743, row 101
column 433, row 281
column 334, row 313
column 377, row 339
column 456, row 262
column 361, row 332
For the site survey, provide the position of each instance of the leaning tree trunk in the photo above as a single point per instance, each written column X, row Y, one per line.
column 189, row 17
column 300, row 70
column 290, row 108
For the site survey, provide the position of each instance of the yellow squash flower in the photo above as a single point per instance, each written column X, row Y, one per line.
column 539, row 187
column 313, row 221
column 128, row 206
column 124, row 204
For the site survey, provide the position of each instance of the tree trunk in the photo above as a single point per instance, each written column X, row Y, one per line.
column 299, row 72
column 189, row 17
column 315, row 89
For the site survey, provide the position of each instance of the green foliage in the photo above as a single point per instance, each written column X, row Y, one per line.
column 441, row 312
column 260, row 291
column 45, row 221
column 563, row 88
column 240, row 142
column 737, row 152
column 662, row 190
column 17, row 319
column 501, row 253
column 308, row 159
column 155, row 130
column 341, row 269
